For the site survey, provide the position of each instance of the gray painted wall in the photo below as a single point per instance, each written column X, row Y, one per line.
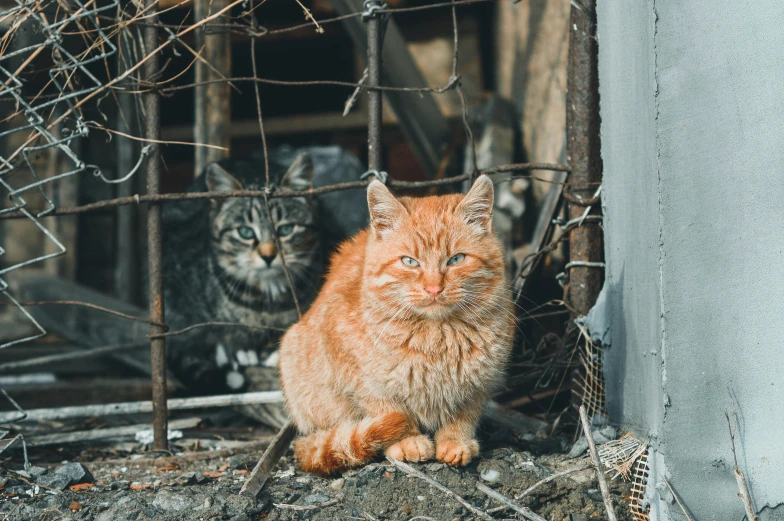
column 693, row 148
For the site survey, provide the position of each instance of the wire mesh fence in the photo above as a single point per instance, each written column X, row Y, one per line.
column 127, row 40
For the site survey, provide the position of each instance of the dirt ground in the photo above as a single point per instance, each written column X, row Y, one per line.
column 139, row 487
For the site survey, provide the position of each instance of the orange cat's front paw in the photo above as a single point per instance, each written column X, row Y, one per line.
column 413, row 448
column 457, row 452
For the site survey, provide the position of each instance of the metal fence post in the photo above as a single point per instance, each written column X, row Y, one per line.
column 584, row 149
column 154, row 236
column 374, row 36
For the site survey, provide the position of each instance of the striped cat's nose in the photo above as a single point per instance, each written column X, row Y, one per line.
column 267, row 251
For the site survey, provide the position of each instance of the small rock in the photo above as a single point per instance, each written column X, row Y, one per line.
column 243, row 462
column 490, row 475
column 188, row 478
column 149, row 512
column 594, row 494
column 337, row 484
column 599, row 436
column 120, row 485
column 371, row 468
column 315, row 499
column 54, row 481
column 171, row 502
column 421, row 498
column 579, row 447
column 434, row 467
column 207, row 503
column 37, row 472
column 76, row 473
column 609, row 432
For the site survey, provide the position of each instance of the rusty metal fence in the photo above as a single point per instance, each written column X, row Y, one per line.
column 55, row 117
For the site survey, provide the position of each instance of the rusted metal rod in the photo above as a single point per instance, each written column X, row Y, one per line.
column 583, row 144
column 374, row 37
column 349, row 185
column 152, row 132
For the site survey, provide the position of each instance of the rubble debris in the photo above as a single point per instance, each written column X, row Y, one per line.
column 490, row 475
column 546, row 483
column 600, row 436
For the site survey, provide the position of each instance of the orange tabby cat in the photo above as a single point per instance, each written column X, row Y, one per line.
column 408, row 336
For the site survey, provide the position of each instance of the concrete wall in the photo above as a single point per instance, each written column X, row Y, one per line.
column 693, row 148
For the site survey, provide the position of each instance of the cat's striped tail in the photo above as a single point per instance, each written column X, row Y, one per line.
column 350, row 444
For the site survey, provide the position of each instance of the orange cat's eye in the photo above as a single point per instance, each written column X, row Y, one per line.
column 408, row 261
column 456, row 259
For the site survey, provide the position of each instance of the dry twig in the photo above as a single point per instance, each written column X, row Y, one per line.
column 599, row 470
column 301, row 508
column 743, row 487
column 548, row 479
column 411, row 471
column 523, row 511
column 678, row 500
column 263, row 469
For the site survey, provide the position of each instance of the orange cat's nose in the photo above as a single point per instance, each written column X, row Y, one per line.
column 434, row 290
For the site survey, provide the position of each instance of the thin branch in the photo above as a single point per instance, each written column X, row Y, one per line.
column 743, row 487
column 411, row 471
column 678, row 500
column 548, row 479
column 523, row 511
column 303, row 508
column 599, row 470
column 215, row 324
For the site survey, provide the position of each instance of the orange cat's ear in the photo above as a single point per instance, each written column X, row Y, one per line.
column 385, row 210
column 477, row 206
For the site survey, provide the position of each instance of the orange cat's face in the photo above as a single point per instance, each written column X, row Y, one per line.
column 432, row 256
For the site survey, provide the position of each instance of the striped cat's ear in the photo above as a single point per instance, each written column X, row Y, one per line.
column 299, row 176
column 219, row 180
column 477, row 206
column 385, row 210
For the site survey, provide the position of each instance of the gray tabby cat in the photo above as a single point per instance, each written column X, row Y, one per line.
column 222, row 264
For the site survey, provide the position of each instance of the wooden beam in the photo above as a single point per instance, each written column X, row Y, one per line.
column 212, row 101
column 421, row 120
column 91, row 392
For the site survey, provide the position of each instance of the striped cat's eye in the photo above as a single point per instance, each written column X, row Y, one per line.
column 246, row 232
column 455, row 259
column 408, row 261
column 285, row 229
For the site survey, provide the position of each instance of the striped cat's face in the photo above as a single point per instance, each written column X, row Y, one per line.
column 244, row 237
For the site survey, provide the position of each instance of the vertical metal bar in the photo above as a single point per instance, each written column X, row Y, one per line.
column 374, row 80
column 212, row 124
column 154, row 236
column 584, row 149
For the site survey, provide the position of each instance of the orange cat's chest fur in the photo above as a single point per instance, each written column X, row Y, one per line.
column 434, row 368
